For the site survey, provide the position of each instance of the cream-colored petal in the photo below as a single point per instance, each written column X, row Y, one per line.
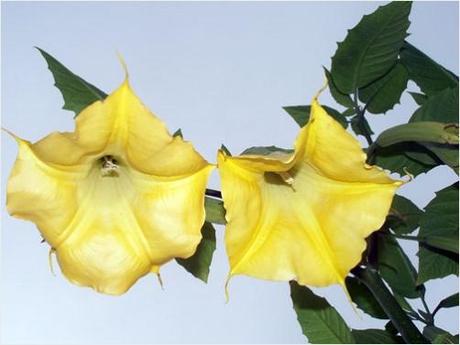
column 121, row 125
column 312, row 226
column 42, row 193
column 333, row 151
column 115, row 199
column 171, row 214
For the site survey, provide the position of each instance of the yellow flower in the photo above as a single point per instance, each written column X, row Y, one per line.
column 303, row 215
column 117, row 198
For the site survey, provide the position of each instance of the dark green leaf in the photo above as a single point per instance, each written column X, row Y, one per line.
column 383, row 94
column 404, row 215
column 215, row 211
column 439, row 336
column 301, row 114
column 364, row 299
column 375, row 336
column 448, row 302
column 77, row 93
column 405, row 305
column 395, row 267
column 225, row 149
column 397, row 158
column 423, row 155
column 441, row 107
column 178, row 133
column 360, row 126
column 448, row 154
column 419, row 98
column 320, row 322
column 198, row 264
column 371, row 48
column 429, row 75
column 341, row 98
column 265, row 150
column 390, row 328
column 447, row 242
column 349, row 112
column 440, row 220
column 435, row 263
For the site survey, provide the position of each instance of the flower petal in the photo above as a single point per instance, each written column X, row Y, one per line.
column 311, row 226
column 121, row 125
column 41, row 193
column 115, row 199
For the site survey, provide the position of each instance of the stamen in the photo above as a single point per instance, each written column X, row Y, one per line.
column 109, row 166
column 288, row 179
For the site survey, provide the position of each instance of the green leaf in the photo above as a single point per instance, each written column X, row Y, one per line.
column 447, row 242
column 397, row 158
column 341, row 98
column 320, row 322
column 371, row 48
column 435, row 263
column 383, row 94
column 178, row 133
column 215, row 211
column 404, row 305
column 265, row 150
column 364, row 299
column 427, row 74
column 440, row 220
column 360, row 126
column 349, row 112
column 424, row 131
column 77, row 93
column 375, row 336
column 390, row 328
column 441, row 107
column 404, row 215
column 395, row 267
column 448, row 154
column 198, row 264
column 419, row 98
column 301, row 114
column 225, row 149
column 439, row 336
column 448, row 302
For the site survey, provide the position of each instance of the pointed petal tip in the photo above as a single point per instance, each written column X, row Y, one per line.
column 318, row 93
column 14, row 136
column 124, row 66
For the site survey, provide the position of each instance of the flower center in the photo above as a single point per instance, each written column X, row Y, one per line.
column 109, row 166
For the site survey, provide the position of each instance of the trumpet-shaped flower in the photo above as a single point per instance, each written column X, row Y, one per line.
column 115, row 199
column 303, row 215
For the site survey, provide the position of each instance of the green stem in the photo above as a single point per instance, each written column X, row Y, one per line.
column 360, row 115
column 398, row 317
column 430, row 321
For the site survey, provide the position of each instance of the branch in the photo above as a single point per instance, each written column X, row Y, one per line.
column 398, row 317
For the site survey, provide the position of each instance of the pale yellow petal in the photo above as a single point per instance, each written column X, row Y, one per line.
column 171, row 214
column 309, row 222
column 122, row 126
column 42, row 193
column 117, row 198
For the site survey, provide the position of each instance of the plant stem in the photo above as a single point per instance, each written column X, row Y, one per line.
column 398, row 317
column 361, row 119
column 430, row 321
column 214, row 193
